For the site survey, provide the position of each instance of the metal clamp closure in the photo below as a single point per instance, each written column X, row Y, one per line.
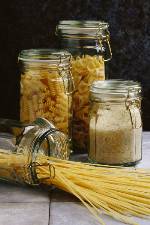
column 103, row 42
column 66, row 75
column 133, row 104
column 34, row 174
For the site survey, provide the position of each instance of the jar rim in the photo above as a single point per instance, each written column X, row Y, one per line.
column 115, row 87
column 87, row 28
column 82, row 23
column 45, row 55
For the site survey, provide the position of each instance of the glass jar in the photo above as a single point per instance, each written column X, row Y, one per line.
column 89, row 44
column 20, row 143
column 115, row 125
column 46, row 87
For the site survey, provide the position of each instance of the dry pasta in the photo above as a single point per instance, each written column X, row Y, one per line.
column 85, row 70
column 43, row 95
column 115, row 191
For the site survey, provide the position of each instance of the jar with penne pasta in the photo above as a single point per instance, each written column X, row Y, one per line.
column 46, row 87
column 89, row 44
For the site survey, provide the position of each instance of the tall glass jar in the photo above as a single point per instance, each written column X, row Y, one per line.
column 46, row 87
column 89, row 43
column 115, row 124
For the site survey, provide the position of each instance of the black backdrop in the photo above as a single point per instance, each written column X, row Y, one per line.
column 31, row 24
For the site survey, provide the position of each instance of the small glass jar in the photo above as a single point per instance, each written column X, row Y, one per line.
column 46, row 87
column 21, row 144
column 89, row 44
column 115, row 125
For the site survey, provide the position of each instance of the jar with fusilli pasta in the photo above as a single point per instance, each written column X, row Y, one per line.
column 46, row 87
column 89, row 44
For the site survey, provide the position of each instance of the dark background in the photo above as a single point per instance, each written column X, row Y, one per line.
column 31, row 24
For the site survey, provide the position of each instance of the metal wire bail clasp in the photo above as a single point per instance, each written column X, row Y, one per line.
column 66, row 75
column 36, row 176
column 132, row 104
column 103, row 42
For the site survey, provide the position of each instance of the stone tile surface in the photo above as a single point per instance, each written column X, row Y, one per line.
column 71, row 213
column 24, row 214
column 16, row 193
column 145, row 162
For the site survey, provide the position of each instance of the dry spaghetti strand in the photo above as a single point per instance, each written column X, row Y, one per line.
column 116, row 191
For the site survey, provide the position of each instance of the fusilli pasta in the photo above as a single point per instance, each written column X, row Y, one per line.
column 43, row 95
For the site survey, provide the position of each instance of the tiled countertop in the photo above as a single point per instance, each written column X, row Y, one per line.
column 32, row 206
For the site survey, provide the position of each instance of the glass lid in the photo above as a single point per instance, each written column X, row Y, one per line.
column 52, row 56
column 115, row 87
column 83, row 27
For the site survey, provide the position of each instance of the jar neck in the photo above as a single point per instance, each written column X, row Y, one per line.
column 86, row 37
column 50, row 59
column 114, row 100
column 33, row 66
column 88, row 46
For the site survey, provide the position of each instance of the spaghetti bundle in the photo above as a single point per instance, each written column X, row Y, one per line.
column 115, row 191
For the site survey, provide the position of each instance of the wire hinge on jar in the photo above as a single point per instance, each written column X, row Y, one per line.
column 103, row 38
column 131, row 103
column 34, row 174
column 62, row 70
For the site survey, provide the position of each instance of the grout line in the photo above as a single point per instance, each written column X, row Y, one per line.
column 50, row 201
column 49, row 218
